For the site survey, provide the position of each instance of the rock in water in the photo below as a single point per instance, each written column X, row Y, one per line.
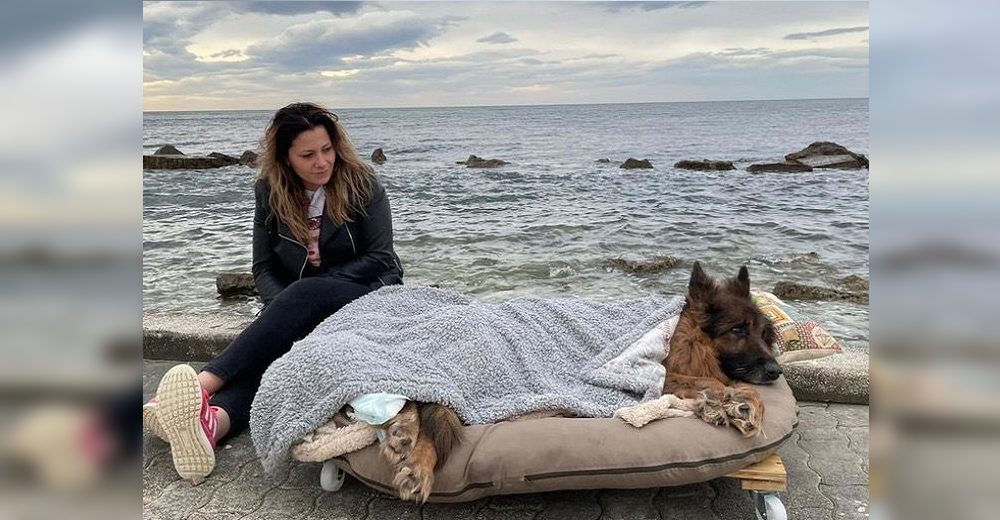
column 478, row 162
column 798, row 291
column 705, row 165
column 631, row 164
column 653, row 265
column 235, row 284
column 168, row 149
column 778, row 167
column 855, row 283
column 378, row 156
column 183, row 162
column 248, row 158
column 824, row 154
column 226, row 160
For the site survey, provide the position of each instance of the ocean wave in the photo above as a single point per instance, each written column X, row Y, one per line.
column 809, row 258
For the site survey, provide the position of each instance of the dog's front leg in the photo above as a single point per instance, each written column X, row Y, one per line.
column 706, row 396
column 415, row 475
column 401, row 434
column 411, row 452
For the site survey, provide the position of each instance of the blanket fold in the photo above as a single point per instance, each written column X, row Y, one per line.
column 487, row 361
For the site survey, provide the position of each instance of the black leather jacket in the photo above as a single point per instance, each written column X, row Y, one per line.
column 360, row 251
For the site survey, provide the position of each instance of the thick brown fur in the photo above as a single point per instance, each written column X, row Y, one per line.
column 722, row 342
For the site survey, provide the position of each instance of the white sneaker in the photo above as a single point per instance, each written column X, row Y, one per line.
column 150, row 421
column 187, row 422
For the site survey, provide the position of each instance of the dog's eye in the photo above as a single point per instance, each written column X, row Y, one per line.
column 739, row 330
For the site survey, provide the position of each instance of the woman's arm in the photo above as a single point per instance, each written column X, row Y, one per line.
column 373, row 242
column 268, row 284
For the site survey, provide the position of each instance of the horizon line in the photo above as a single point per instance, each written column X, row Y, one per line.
column 511, row 105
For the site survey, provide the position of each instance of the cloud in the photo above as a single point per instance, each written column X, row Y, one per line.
column 497, row 37
column 647, row 6
column 171, row 25
column 236, row 55
column 167, row 29
column 762, row 58
column 292, row 8
column 324, row 43
column 168, row 26
column 230, row 53
column 828, row 32
column 740, row 51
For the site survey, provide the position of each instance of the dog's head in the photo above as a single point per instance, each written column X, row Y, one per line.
column 741, row 335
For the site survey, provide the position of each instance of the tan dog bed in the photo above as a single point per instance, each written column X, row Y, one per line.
column 550, row 454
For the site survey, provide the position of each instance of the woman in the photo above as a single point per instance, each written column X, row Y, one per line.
column 322, row 237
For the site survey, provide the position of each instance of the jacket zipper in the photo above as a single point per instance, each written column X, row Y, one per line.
column 306, row 259
column 351, row 236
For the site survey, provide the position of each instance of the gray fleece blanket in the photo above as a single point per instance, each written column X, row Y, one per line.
column 487, row 361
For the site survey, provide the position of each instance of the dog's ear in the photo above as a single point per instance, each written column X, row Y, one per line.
column 741, row 285
column 701, row 285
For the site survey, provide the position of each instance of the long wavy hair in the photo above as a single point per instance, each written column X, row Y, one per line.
column 350, row 187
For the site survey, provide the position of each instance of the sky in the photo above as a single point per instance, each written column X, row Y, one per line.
column 259, row 55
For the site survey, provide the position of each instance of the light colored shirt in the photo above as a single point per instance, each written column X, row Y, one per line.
column 317, row 203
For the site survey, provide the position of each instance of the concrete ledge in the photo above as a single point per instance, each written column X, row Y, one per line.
column 841, row 378
column 188, row 337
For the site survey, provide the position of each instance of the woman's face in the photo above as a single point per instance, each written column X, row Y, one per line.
column 311, row 156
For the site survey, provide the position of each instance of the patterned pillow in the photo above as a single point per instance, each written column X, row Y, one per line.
column 799, row 338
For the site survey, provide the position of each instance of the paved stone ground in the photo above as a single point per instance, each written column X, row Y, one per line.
column 826, row 459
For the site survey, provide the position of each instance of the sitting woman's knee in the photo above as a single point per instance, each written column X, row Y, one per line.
column 303, row 289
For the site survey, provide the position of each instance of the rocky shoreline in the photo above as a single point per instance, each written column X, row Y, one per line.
column 168, row 157
column 818, row 155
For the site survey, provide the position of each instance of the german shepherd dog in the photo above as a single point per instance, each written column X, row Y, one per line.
column 722, row 342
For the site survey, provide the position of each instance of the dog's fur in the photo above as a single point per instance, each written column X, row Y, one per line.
column 722, row 342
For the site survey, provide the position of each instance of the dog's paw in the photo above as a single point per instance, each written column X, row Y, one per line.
column 401, row 434
column 710, row 407
column 414, row 478
column 744, row 410
column 413, row 482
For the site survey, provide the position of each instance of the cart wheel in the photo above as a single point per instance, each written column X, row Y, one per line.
column 331, row 477
column 768, row 506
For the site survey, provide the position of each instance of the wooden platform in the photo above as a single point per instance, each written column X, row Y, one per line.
column 766, row 475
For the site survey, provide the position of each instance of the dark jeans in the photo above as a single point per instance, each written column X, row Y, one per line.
column 293, row 313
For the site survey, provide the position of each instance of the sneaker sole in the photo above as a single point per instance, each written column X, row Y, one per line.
column 151, row 422
column 178, row 412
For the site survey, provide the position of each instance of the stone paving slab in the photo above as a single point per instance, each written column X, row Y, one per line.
column 826, row 459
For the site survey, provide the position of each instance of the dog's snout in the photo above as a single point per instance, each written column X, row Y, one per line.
column 772, row 370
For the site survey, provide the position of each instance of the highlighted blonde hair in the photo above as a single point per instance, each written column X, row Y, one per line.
column 350, row 187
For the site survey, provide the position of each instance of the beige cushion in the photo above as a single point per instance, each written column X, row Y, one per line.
column 554, row 453
column 800, row 338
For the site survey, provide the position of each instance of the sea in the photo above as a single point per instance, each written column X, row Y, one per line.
column 555, row 221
